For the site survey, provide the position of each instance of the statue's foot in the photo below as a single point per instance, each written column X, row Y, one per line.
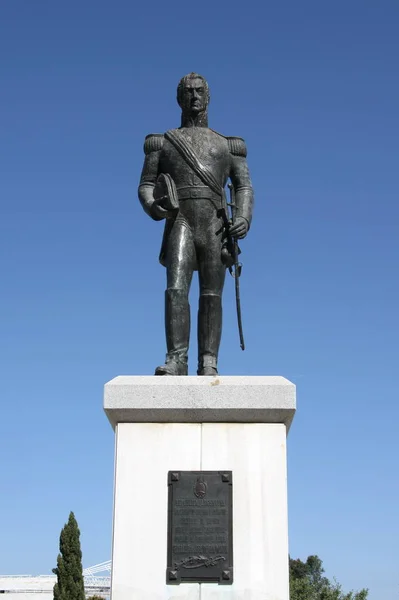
column 207, row 365
column 207, row 371
column 172, row 367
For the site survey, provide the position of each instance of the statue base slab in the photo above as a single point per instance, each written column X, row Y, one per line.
column 200, row 424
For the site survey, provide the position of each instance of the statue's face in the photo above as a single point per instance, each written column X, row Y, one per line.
column 194, row 98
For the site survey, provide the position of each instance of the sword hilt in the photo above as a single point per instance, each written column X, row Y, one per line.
column 232, row 202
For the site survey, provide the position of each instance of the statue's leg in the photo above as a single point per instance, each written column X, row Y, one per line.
column 180, row 261
column 211, row 272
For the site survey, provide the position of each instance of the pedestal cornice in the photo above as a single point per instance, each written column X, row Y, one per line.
column 234, row 399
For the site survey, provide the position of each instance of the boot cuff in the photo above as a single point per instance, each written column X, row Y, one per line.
column 207, row 360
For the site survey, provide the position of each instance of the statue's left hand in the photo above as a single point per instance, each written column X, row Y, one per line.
column 240, row 228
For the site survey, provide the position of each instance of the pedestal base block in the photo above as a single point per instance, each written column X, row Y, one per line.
column 254, row 451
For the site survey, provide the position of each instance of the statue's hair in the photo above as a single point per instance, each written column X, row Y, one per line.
column 183, row 82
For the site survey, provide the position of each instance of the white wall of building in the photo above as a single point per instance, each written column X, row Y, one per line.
column 27, row 587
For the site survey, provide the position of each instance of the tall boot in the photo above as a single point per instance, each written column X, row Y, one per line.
column 209, row 333
column 177, row 328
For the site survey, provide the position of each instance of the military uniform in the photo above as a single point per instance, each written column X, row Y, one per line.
column 193, row 238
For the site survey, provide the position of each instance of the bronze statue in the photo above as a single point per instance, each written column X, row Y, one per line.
column 184, row 174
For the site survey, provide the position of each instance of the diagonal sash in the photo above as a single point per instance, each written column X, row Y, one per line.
column 187, row 152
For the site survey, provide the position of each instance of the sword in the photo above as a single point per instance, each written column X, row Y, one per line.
column 236, row 273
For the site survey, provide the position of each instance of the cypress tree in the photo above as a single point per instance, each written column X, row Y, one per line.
column 70, row 585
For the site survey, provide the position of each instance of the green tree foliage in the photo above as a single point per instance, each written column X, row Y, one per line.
column 307, row 582
column 69, row 570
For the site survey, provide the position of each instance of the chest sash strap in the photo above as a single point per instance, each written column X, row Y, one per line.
column 189, row 155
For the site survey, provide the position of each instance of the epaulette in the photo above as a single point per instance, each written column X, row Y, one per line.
column 237, row 146
column 153, row 142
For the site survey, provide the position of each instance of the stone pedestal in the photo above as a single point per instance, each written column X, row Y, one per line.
column 191, row 424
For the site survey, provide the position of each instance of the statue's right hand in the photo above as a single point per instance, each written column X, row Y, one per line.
column 158, row 212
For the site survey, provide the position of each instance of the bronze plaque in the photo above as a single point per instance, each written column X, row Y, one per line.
column 200, row 527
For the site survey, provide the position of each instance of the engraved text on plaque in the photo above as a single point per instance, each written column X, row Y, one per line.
column 200, row 536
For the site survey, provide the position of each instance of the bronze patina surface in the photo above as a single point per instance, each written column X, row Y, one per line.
column 199, row 235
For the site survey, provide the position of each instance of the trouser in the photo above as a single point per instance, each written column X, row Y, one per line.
column 195, row 242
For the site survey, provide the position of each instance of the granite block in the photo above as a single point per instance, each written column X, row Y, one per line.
column 192, row 399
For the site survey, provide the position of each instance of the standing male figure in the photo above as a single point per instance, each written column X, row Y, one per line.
column 184, row 174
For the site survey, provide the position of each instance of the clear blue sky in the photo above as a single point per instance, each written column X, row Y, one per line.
column 313, row 88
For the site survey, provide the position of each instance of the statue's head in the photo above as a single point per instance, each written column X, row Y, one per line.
column 193, row 94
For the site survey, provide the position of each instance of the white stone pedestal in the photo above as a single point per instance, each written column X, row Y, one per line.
column 200, row 423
